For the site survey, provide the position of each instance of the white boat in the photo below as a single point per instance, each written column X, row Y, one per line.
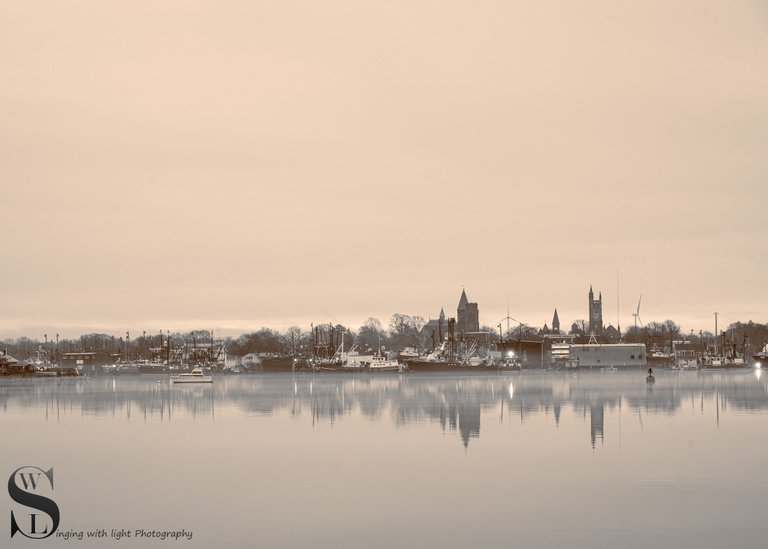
column 408, row 353
column 380, row 363
column 195, row 376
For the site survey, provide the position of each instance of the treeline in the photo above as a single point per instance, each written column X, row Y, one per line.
column 401, row 331
column 744, row 336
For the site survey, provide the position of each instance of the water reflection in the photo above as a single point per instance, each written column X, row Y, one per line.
column 454, row 402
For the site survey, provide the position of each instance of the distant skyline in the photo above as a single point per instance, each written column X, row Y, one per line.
column 233, row 327
column 175, row 165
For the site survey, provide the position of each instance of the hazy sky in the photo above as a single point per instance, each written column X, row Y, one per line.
column 233, row 164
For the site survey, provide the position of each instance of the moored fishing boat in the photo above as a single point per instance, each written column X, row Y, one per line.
column 408, row 353
column 761, row 358
column 424, row 365
column 278, row 363
column 126, row 368
column 380, row 363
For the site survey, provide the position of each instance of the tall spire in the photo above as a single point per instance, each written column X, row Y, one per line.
column 463, row 300
column 442, row 314
column 556, row 323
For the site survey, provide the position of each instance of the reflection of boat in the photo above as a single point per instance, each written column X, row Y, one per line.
column 195, row 376
column 650, row 379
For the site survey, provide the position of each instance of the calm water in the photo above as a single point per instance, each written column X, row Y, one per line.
column 519, row 460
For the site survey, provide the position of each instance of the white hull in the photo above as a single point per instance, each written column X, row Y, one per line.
column 204, row 379
column 196, row 376
column 386, row 368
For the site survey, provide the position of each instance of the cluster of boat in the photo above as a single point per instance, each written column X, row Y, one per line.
column 39, row 366
column 443, row 358
column 447, row 357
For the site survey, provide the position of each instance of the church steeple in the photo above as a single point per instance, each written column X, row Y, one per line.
column 463, row 301
column 556, row 323
column 467, row 315
column 442, row 314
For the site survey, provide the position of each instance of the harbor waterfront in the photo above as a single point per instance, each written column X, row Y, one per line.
column 518, row 459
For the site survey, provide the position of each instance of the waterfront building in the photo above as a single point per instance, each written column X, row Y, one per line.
column 11, row 366
column 89, row 361
column 687, row 354
column 598, row 355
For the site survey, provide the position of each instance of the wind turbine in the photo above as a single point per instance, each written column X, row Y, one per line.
column 637, row 314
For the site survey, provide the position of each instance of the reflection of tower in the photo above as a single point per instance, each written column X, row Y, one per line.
column 595, row 313
column 597, row 421
column 555, row 323
column 469, row 422
column 467, row 315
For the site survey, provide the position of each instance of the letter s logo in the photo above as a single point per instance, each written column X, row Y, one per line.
column 28, row 486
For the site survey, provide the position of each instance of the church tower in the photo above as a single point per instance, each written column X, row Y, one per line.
column 595, row 313
column 555, row 323
column 467, row 315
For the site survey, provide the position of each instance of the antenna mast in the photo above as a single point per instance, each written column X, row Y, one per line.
column 618, row 319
